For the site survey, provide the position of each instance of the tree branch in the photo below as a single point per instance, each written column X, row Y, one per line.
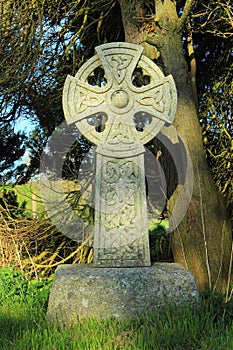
column 186, row 11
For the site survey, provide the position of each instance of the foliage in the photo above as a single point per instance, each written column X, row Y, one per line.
column 217, row 124
column 16, row 287
column 212, row 33
column 159, row 239
column 34, row 244
column 219, row 305
column 12, row 147
column 214, row 17
column 37, row 248
column 47, row 35
column 9, row 205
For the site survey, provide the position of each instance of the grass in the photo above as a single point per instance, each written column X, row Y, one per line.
column 27, row 193
column 31, row 194
column 23, row 324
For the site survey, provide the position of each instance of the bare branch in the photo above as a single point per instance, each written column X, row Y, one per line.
column 185, row 14
column 216, row 18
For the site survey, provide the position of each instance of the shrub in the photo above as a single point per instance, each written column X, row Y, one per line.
column 17, row 287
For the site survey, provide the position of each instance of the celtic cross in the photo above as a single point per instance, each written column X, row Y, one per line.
column 119, row 112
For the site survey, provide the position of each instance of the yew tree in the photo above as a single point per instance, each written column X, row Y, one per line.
column 43, row 41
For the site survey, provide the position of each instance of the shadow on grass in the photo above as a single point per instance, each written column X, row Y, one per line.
column 25, row 328
column 14, row 320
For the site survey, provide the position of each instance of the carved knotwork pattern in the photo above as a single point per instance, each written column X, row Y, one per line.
column 87, row 100
column 119, row 98
column 119, row 185
column 119, row 65
column 132, row 251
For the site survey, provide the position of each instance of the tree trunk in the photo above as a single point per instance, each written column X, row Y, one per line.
column 202, row 242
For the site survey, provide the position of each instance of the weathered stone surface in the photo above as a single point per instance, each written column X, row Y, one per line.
column 83, row 291
column 119, row 114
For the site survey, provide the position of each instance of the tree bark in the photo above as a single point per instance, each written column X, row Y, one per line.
column 202, row 242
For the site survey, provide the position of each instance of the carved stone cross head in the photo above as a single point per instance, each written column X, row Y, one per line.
column 122, row 99
column 119, row 100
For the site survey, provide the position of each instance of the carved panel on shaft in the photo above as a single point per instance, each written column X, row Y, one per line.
column 121, row 232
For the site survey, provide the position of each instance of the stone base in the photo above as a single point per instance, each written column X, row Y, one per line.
column 84, row 291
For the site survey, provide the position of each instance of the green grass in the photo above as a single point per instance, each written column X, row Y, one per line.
column 25, row 193
column 23, row 324
column 31, row 192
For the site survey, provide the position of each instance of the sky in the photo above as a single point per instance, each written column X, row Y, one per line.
column 24, row 125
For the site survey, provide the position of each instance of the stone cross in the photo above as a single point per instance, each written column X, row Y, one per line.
column 125, row 109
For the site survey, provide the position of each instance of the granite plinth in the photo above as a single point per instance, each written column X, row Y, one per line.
column 83, row 291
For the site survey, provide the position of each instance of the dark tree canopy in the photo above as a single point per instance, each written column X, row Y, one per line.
column 12, row 147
